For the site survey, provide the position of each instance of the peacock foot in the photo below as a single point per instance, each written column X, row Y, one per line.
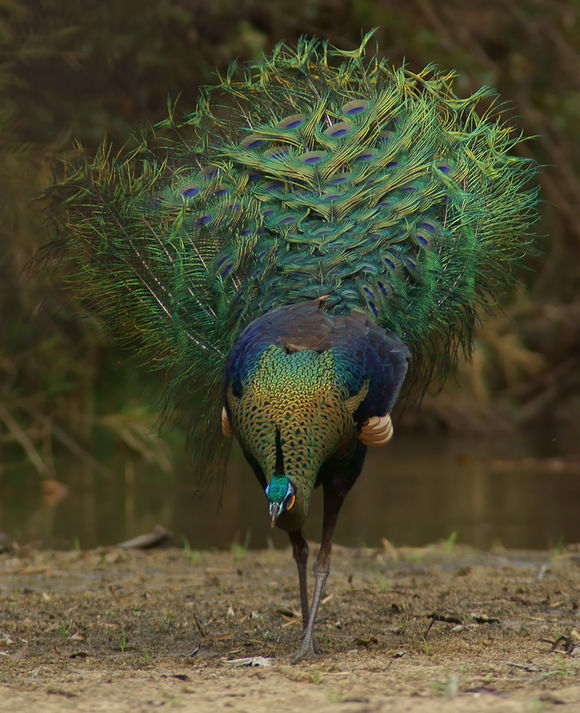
column 307, row 650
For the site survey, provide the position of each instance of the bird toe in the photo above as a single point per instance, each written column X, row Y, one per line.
column 308, row 650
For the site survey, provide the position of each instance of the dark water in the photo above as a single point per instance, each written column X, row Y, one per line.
column 414, row 491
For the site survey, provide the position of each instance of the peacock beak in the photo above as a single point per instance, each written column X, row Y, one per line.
column 274, row 510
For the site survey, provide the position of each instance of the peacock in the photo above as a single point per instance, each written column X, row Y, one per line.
column 314, row 242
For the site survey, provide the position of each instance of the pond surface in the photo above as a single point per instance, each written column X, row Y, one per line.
column 513, row 492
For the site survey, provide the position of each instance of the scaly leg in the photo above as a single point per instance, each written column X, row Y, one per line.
column 332, row 505
column 300, row 552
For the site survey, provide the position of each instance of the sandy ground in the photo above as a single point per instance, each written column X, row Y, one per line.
column 442, row 628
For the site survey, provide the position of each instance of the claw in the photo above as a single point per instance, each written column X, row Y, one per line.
column 308, row 650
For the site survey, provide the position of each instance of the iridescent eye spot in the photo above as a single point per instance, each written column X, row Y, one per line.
column 384, row 137
column 253, row 141
column 365, row 156
column 340, row 178
column 355, row 107
column 189, row 191
column 313, row 156
column 208, row 173
column 337, row 131
column 292, row 122
column 324, row 232
column 330, row 196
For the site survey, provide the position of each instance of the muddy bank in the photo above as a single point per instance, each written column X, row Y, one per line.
column 422, row 629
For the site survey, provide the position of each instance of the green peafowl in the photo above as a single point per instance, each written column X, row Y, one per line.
column 316, row 239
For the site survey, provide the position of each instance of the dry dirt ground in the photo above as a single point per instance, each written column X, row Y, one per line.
column 443, row 628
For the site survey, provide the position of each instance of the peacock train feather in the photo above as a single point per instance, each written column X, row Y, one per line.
column 314, row 177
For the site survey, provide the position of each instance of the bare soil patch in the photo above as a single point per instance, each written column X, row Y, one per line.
column 430, row 629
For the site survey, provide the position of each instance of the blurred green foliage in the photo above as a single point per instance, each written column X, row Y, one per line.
column 80, row 71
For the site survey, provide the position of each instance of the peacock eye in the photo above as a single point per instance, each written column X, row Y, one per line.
column 291, row 503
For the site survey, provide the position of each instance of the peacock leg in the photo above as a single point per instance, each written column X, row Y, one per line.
column 300, row 552
column 332, row 505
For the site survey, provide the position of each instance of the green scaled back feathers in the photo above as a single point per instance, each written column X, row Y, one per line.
column 315, row 173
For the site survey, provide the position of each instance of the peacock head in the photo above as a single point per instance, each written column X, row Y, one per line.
column 281, row 495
